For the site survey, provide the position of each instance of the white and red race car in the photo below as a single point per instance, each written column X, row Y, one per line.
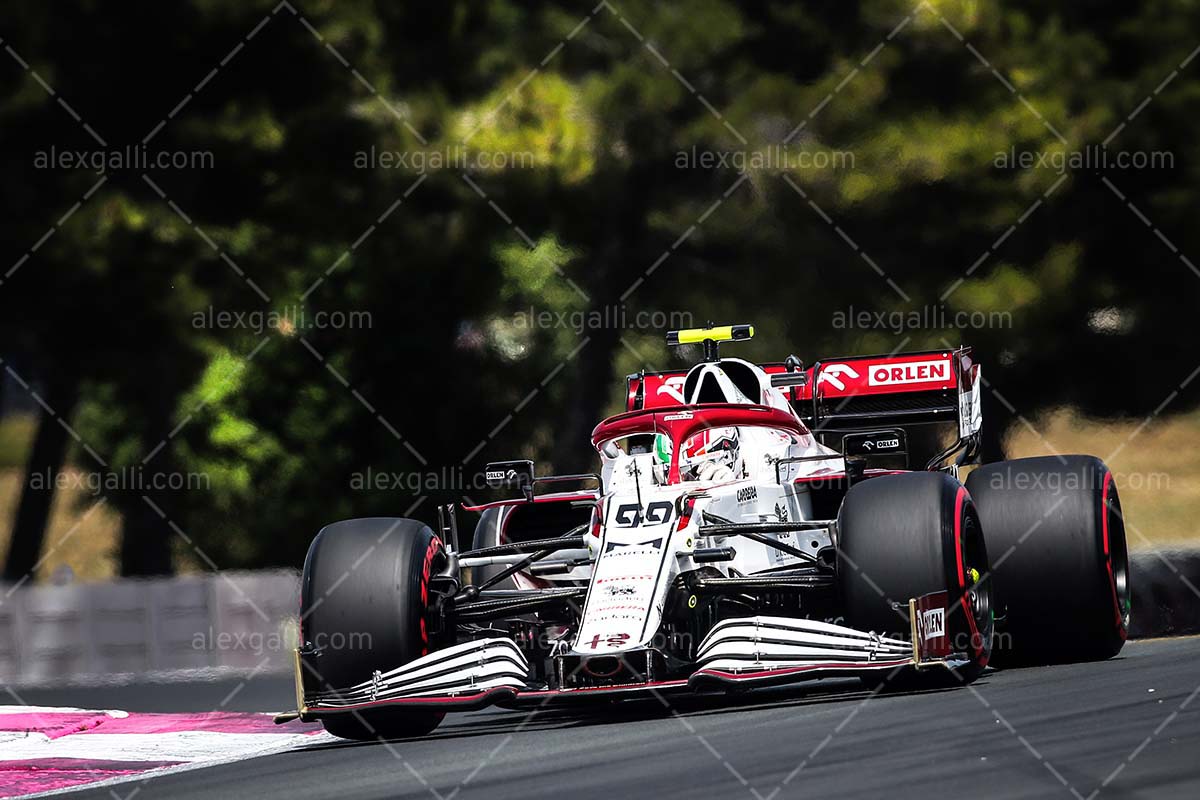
column 750, row 525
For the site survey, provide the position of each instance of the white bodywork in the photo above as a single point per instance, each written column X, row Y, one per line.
column 639, row 554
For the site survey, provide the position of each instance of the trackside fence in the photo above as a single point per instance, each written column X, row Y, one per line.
column 229, row 620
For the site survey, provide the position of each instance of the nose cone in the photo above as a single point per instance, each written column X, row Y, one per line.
column 632, row 574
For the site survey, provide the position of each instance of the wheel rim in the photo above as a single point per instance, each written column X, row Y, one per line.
column 977, row 594
column 1118, row 554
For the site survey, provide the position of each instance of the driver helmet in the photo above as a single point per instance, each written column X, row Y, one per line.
column 662, row 457
column 711, row 455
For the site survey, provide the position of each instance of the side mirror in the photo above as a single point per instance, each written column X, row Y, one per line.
column 511, row 475
column 781, row 379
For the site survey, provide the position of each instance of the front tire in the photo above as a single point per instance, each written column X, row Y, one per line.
column 904, row 536
column 364, row 600
column 1055, row 528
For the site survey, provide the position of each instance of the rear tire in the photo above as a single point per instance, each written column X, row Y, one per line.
column 1054, row 527
column 909, row 535
column 363, row 604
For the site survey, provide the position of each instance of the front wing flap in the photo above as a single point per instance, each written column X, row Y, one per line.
column 757, row 650
column 781, row 650
column 470, row 674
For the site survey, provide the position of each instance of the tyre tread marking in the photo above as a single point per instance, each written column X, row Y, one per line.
column 1108, row 562
column 435, row 545
column 976, row 636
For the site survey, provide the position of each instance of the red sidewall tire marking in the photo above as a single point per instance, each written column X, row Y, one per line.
column 976, row 636
column 1108, row 561
column 435, row 545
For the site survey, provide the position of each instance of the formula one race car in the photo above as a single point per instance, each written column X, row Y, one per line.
column 750, row 525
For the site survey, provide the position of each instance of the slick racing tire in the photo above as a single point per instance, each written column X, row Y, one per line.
column 904, row 536
column 1055, row 531
column 363, row 602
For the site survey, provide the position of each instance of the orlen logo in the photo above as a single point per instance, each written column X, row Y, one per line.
column 833, row 374
column 934, row 623
column 910, row 372
column 673, row 388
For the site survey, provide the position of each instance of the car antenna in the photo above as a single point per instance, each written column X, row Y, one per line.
column 637, row 482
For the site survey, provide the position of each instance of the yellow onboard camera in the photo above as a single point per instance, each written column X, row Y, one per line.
column 711, row 337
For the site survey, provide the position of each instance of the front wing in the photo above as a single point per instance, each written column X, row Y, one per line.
column 748, row 651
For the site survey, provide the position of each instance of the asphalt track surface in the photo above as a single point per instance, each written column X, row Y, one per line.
column 1129, row 727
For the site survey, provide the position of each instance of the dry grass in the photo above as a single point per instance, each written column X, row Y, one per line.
column 1156, row 467
column 83, row 536
column 16, row 437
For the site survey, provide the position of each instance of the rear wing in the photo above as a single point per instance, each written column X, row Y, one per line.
column 906, row 389
column 861, row 393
